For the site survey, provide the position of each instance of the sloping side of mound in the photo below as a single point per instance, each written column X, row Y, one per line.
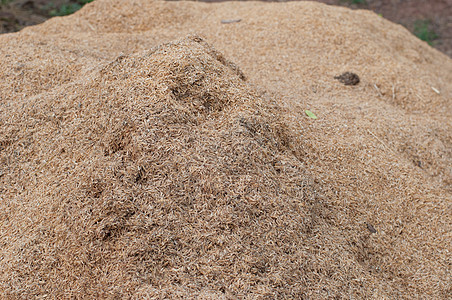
column 161, row 173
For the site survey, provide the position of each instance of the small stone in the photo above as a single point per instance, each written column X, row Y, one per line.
column 371, row 228
column 348, row 78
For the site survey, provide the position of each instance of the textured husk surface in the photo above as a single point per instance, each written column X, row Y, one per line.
column 150, row 150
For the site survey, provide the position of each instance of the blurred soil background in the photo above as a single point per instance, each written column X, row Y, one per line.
column 431, row 20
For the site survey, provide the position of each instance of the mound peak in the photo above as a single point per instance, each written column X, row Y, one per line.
column 164, row 168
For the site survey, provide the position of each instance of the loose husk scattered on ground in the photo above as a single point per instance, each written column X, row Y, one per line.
column 148, row 150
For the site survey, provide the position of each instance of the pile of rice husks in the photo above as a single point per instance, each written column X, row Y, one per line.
column 236, row 150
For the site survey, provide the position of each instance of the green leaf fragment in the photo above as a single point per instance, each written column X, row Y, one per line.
column 310, row 114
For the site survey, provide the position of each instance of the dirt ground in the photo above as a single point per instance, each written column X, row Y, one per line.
column 436, row 14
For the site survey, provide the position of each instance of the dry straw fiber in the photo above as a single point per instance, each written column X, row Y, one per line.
column 149, row 150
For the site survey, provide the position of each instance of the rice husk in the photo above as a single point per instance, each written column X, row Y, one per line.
column 150, row 150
